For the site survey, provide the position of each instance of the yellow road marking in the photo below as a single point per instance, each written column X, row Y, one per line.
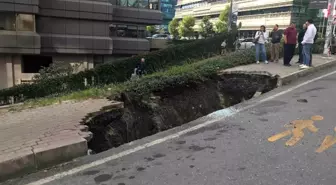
column 297, row 133
column 327, row 143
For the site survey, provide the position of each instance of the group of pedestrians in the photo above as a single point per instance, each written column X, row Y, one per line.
column 304, row 40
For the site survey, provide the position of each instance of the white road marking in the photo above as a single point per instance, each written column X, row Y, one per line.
column 215, row 116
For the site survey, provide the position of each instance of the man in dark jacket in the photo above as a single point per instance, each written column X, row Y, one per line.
column 141, row 68
column 300, row 39
column 276, row 36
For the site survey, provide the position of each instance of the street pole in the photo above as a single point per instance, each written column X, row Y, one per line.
column 230, row 17
column 329, row 34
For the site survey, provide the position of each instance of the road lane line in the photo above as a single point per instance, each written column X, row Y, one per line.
column 214, row 117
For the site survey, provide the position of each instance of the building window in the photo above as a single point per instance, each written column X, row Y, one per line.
column 34, row 63
column 265, row 11
column 154, row 4
column 145, row 4
column 25, row 22
column 7, row 22
column 129, row 31
column 17, row 22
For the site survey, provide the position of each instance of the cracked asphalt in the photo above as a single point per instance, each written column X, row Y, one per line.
column 232, row 151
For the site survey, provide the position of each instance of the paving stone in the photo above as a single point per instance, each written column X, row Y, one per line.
column 52, row 132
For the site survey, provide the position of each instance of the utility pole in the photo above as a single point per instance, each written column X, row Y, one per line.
column 230, row 16
column 329, row 30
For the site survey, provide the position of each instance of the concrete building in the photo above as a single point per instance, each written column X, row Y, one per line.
column 35, row 33
column 252, row 13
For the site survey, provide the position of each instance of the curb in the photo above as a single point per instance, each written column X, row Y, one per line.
column 294, row 76
column 30, row 160
column 56, row 151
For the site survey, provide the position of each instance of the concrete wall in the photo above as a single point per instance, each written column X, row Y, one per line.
column 21, row 6
column 11, row 67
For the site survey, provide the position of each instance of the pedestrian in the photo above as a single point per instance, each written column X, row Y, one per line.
column 311, row 53
column 300, row 39
column 260, row 39
column 276, row 36
column 290, row 43
column 307, row 43
column 140, row 68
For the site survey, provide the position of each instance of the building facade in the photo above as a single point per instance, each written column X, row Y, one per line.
column 251, row 13
column 35, row 33
column 168, row 11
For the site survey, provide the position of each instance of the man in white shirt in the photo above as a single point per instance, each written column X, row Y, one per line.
column 307, row 43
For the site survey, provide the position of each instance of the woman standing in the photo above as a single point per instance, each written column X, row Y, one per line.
column 260, row 39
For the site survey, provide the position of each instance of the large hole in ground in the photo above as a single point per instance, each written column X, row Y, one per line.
column 172, row 107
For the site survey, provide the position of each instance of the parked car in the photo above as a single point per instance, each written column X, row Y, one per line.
column 245, row 43
column 160, row 36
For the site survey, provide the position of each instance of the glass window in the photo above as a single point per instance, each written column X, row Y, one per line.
column 133, row 3
column 122, row 2
column 141, row 32
column 130, row 31
column 143, row 4
column 7, row 21
column 121, row 30
column 25, row 22
column 154, row 4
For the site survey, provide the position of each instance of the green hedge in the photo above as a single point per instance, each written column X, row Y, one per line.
column 117, row 71
column 186, row 74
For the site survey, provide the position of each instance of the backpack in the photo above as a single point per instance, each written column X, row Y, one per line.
column 315, row 38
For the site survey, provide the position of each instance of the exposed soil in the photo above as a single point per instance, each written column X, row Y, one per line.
column 172, row 107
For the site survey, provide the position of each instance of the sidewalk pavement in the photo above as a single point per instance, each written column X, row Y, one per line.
column 37, row 138
column 285, row 74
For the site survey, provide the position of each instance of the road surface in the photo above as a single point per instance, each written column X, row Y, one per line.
column 238, row 150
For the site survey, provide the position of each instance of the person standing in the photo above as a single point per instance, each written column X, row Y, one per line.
column 300, row 39
column 276, row 36
column 260, row 39
column 307, row 43
column 290, row 43
column 140, row 68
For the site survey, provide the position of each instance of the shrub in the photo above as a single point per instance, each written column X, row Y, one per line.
column 186, row 74
column 117, row 71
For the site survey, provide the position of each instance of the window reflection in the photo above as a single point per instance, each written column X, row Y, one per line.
column 25, row 22
column 17, row 22
column 7, row 22
column 129, row 31
column 146, row 4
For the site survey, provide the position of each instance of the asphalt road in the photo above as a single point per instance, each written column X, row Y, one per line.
column 232, row 151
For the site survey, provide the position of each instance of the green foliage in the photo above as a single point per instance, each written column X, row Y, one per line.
column 221, row 27
column 186, row 74
column 116, row 71
column 224, row 15
column 206, row 27
column 173, row 28
column 56, row 70
column 151, row 29
column 186, row 27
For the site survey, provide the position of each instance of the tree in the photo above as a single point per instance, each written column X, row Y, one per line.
column 151, row 29
column 221, row 27
column 57, row 70
column 206, row 27
column 224, row 15
column 186, row 27
column 173, row 28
